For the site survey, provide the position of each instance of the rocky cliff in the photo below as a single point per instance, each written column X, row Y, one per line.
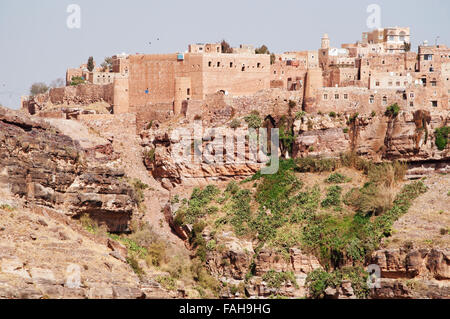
column 48, row 168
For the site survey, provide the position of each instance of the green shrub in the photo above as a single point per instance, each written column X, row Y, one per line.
column 91, row 225
column 318, row 281
column 156, row 254
column 345, row 130
column 441, row 135
column 332, row 114
column 392, row 110
column 134, row 264
column 232, row 187
column 76, row 80
column 167, row 282
column 197, row 206
column 204, row 279
column 371, row 199
column 149, row 155
column 276, row 279
column 211, row 245
column 292, row 104
column 138, row 190
column 373, row 114
column 353, row 118
column 316, row 165
column 7, row 207
column 235, row 123
column 253, row 120
column 299, row 115
column 337, row 178
column 333, row 197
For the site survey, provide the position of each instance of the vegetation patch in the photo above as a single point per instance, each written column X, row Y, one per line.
column 318, row 281
column 279, row 212
column 253, row 120
column 275, row 279
column 392, row 110
column 333, row 197
column 441, row 135
column 337, row 178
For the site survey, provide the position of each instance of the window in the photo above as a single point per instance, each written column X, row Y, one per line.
column 411, row 95
column 371, row 99
column 336, row 96
column 428, row 57
column 433, row 83
column 390, row 84
column 434, row 103
column 325, row 96
column 258, row 65
column 397, row 83
column 218, row 64
column 231, row 64
column 391, row 38
column 243, row 68
column 209, row 63
column 411, row 103
column 377, row 83
column 188, row 91
column 384, row 100
column 402, row 38
column 345, row 96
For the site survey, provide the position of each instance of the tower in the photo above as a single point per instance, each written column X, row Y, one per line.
column 325, row 42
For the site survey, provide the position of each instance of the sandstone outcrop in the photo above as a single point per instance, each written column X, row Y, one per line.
column 165, row 157
column 409, row 136
column 413, row 273
column 49, row 168
column 236, row 262
column 45, row 254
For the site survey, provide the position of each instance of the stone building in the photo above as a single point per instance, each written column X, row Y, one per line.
column 370, row 74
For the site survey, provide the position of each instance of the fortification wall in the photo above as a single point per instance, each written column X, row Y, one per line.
column 82, row 94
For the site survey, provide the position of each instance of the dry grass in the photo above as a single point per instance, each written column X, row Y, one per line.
column 429, row 214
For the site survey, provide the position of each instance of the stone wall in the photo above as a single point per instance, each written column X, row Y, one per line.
column 82, row 94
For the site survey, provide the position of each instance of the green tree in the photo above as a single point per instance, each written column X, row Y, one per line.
column 442, row 137
column 262, row 50
column 38, row 88
column 107, row 64
column 407, row 46
column 90, row 64
column 226, row 47
column 77, row 80
column 58, row 83
column 393, row 110
column 272, row 58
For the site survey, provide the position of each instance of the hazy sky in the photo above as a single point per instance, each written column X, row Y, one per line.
column 37, row 45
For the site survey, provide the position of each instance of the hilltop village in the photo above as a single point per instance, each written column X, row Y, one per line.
column 88, row 175
column 379, row 70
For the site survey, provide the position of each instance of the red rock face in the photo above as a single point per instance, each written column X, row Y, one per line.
column 408, row 136
column 49, row 168
column 416, row 273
